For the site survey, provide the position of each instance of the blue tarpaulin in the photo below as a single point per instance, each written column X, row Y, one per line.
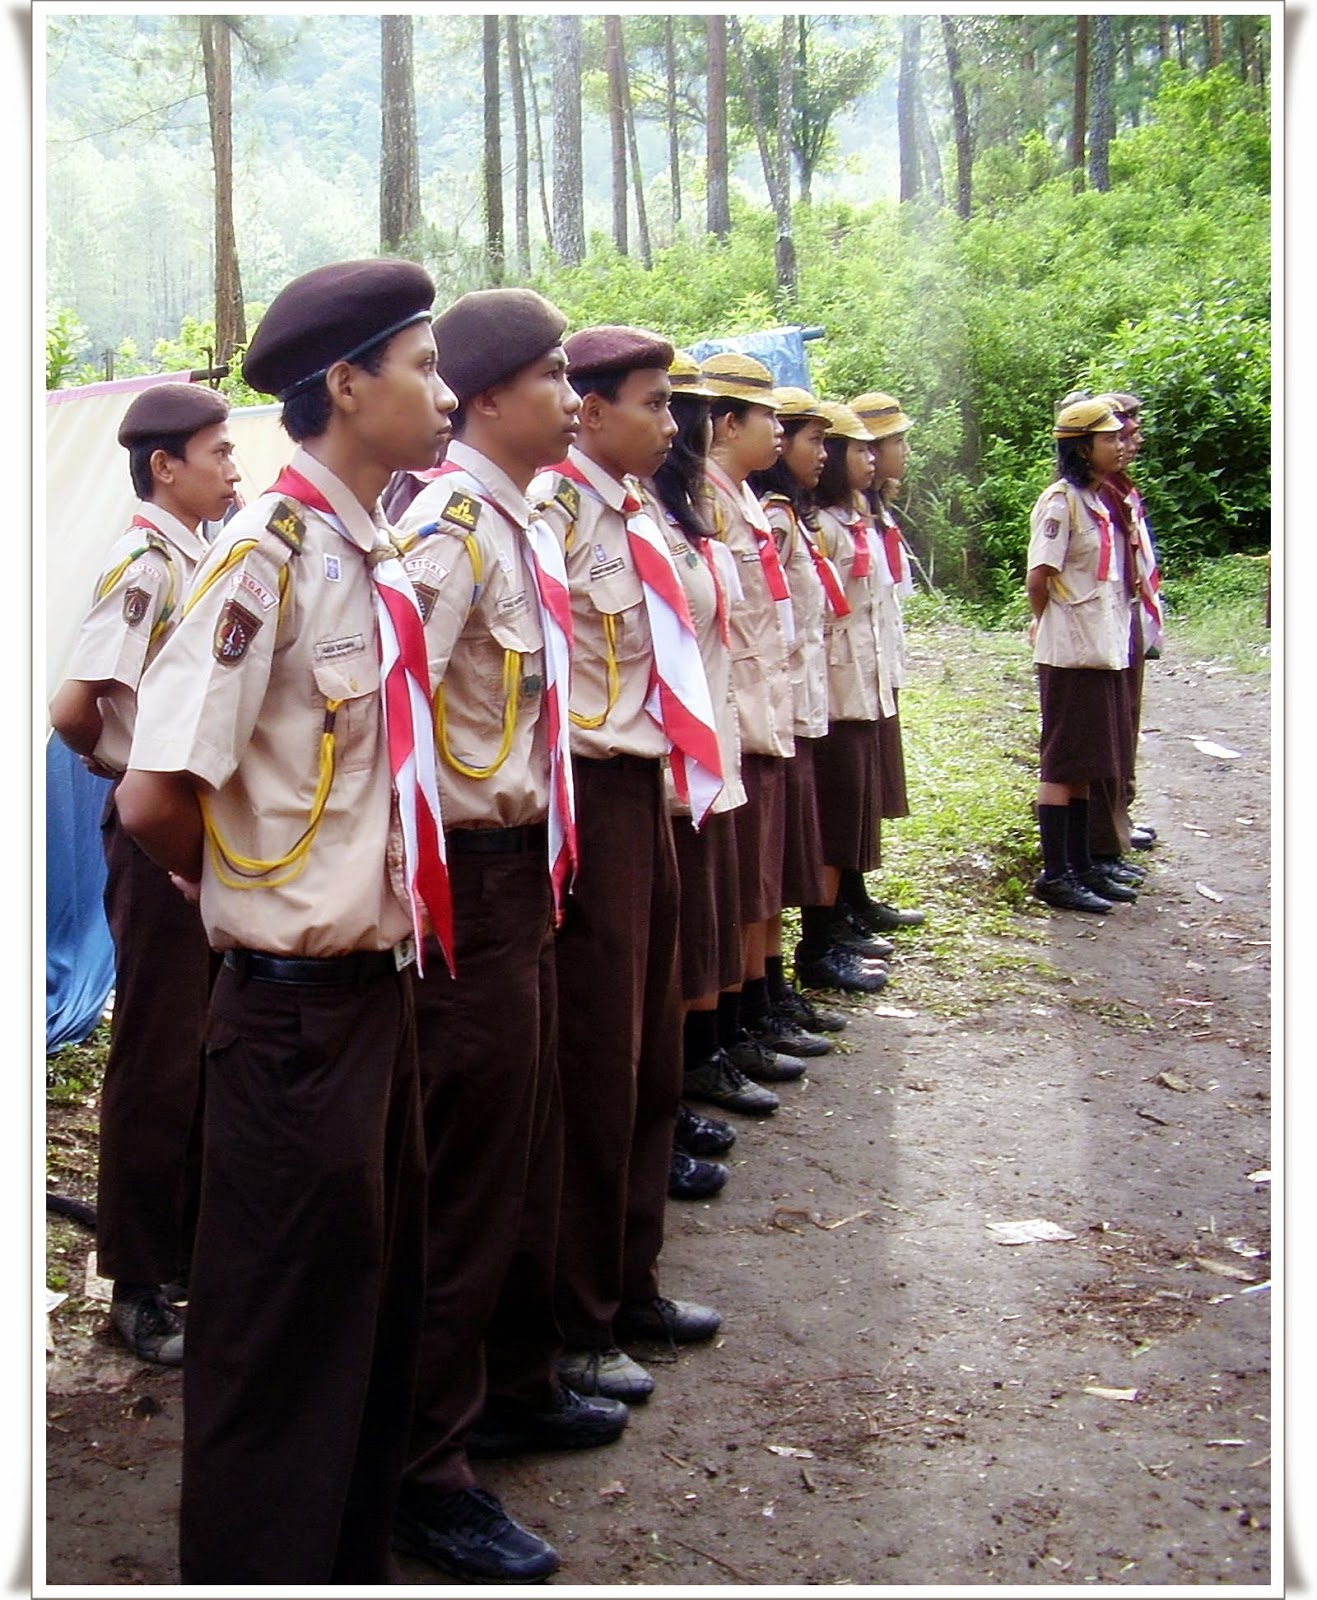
column 79, row 950
column 782, row 351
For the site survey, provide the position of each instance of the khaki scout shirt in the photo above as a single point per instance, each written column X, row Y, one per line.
column 135, row 605
column 604, row 583
column 1086, row 621
column 809, row 605
column 485, row 641
column 702, row 584
column 239, row 698
column 850, row 643
column 761, row 678
column 889, row 621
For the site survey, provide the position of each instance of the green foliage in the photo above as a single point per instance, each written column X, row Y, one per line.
column 66, row 340
column 74, row 1071
column 1217, row 611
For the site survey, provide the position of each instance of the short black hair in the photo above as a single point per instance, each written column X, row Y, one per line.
column 306, row 414
column 779, row 478
column 679, row 482
column 607, row 385
column 141, row 451
column 1073, row 460
column 727, row 405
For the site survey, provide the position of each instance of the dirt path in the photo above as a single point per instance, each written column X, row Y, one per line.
column 896, row 1397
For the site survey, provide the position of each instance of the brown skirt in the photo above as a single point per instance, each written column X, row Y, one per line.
column 891, row 764
column 709, row 932
column 802, row 854
column 848, row 784
column 1085, row 724
column 759, row 826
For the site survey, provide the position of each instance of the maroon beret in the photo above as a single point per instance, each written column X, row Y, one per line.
column 616, row 349
column 491, row 333
column 167, row 408
column 333, row 313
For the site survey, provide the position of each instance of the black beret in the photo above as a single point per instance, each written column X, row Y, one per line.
column 330, row 314
column 616, row 349
column 171, row 408
column 489, row 334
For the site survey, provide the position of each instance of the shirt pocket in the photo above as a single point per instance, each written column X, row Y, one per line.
column 355, row 685
column 619, row 598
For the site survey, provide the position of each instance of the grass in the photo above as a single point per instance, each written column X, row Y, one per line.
column 1217, row 614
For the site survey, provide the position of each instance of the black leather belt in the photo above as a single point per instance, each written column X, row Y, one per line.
column 359, row 967
column 498, row 841
column 625, row 763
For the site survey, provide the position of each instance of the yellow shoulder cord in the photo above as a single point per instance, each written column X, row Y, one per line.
column 614, row 679
column 243, row 548
column 511, row 704
column 252, row 868
column 167, row 608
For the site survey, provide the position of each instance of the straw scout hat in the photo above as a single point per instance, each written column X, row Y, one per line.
column 798, row 405
column 686, row 378
column 733, row 376
column 1084, row 417
column 842, row 422
column 881, row 414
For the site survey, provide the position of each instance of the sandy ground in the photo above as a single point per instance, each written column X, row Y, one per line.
column 896, row 1396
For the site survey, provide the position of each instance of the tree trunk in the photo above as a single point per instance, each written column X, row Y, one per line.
column 520, row 154
column 633, row 145
column 493, row 164
column 930, row 160
column 1101, row 123
column 717, row 210
column 785, row 250
column 960, row 118
column 1212, row 31
column 616, row 127
column 1163, row 38
column 907, row 121
column 568, row 190
column 540, row 166
column 1080, row 117
column 400, row 165
column 230, row 318
column 674, row 142
column 1180, row 47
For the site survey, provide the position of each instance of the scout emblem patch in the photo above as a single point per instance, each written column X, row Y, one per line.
column 462, row 510
column 136, row 603
column 287, row 524
column 568, row 496
column 425, row 599
column 234, row 631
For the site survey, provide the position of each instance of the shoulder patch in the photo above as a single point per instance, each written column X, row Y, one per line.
column 155, row 541
column 234, row 632
column 136, row 603
column 463, row 510
column 287, row 523
column 568, row 496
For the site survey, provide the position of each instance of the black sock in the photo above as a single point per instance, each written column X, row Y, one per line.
column 729, row 1018
column 776, row 979
column 816, row 928
column 1053, row 824
column 699, row 1037
column 754, row 1001
column 1077, row 836
column 852, row 890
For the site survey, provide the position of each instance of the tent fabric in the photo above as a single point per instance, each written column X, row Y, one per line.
column 782, row 351
column 79, row 950
column 88, row 500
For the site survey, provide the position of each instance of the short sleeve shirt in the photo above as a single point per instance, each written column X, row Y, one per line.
column 1086, row 620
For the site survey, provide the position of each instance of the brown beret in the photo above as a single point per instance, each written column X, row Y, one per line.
column 167, row 408
column 616, row 349
column 491, row 333
column 333, row 313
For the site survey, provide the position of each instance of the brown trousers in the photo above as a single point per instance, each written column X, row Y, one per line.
column 305, row 1309
column 150, row 1125
column 619, row 1046
column 493, row 1134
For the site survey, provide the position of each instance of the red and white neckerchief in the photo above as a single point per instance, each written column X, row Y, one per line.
column 826, row 568
column 1105, row 542
column 549, row 570
column 405, row 701
column 897, row 560
column 769, row 560
column 859, row 531
column 678, row 698
column 1150, row 577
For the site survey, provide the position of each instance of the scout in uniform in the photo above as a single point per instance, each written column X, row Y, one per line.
column 709, row 933
column 1081, row 640
column 181, row 462
column 490, row 580
column 638, row 697
column 283, row 760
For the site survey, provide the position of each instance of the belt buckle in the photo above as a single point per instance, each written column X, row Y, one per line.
column 404, row 953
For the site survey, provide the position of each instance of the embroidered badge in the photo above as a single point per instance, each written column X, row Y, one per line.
column 265, row 598
column 532, row 683
column 568, row 496
column 136, row 603
column 234, row 631
column 510, row 605
column 333, row 568
column 462, row 510
column 606, row 569
column 331, row 649
column 425, row 599
column 505, row 563
column 287, row 524
column 1051, row 528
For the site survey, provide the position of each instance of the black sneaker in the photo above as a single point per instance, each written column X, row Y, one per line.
column 762, row 1064
column 689, row 1178
column 1066, row 893
column 720, row 1082
column 701, row 1136
column 1120, row 870
column 677, row 1321
column 850, row 932
column 467, row 1533
column 839, row 968
column 813, row 1018
column 1107, row 887
column 879, row 917
column 778, row 1030
column 573, row 1422
column 147, row 1323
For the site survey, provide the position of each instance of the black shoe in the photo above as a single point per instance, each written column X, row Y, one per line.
column 879, row 917
column 720, row 1082
column 814, row 1019
column 701, row 1136
column 1066, row 893
column 777, row 1030
column 761, row 1064
column 147, row 1323
column 851, row 934
column 468, row 1533
column 1106, row 887
column 573, row 1422
column 609, row 1372
column 835, row 968
column 1144, row 828
column 1120, row 870
column 675, row 1321
column 692, row 1179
